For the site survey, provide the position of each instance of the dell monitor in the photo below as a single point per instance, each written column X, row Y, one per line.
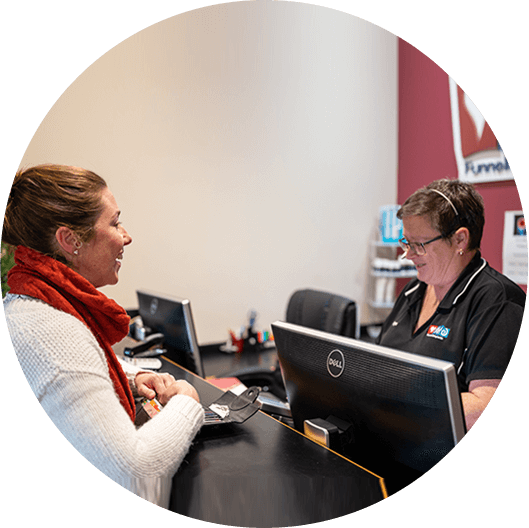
column 172, row 317
column 397, row 413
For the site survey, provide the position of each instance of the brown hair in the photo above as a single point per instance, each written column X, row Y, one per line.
column 439, row 199
column 46, row 197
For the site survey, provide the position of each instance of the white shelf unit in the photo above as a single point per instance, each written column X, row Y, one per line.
column 385, row 264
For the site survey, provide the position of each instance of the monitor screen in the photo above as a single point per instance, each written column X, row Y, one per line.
column 172, row 317
column 402, row 410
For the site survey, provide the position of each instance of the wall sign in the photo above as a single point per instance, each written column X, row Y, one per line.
column 478, row 154
column 515, row 247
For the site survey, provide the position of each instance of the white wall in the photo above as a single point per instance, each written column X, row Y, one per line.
column 249, row 146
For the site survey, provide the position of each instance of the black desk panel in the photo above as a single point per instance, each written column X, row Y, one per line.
column 262, row 473
column 221, row 364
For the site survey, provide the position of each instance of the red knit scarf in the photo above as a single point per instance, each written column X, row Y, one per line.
column 56, row 284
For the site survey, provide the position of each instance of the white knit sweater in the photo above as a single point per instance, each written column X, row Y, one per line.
column 68, row 372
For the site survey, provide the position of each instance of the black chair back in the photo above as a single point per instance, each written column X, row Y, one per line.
column 324, row 311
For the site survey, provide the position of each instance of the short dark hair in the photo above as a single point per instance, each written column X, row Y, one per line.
column 436, row 199
column 46, row 197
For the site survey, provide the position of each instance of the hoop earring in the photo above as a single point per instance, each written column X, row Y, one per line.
column 78, row 246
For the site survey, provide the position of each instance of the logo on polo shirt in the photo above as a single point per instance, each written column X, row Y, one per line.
column 438, row 331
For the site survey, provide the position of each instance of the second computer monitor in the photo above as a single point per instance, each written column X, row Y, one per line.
column 172, row 317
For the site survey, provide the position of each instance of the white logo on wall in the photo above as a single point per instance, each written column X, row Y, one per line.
column 335, row 363
column 478, row 153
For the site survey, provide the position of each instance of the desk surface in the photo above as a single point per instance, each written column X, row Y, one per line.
column 262, row 473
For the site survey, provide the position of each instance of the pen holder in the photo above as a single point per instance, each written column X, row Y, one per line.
column 248, row 340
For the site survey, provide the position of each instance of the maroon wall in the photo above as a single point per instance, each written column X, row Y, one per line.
column 426, row 150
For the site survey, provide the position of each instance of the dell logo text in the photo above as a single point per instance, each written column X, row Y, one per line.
column 335, row 363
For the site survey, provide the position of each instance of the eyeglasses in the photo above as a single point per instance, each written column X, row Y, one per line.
column 418, row 247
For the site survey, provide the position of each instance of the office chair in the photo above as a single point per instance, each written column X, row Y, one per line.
column 314, row 309
column 324, row 311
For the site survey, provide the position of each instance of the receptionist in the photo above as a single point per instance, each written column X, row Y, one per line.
column 458, row 308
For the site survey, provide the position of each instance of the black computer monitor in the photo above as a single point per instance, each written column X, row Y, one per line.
column 402, row 410
column 172, row 317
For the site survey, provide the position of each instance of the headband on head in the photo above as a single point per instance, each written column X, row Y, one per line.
column 447, row 199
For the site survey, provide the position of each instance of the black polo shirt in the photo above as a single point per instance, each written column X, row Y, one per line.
column 475, row 326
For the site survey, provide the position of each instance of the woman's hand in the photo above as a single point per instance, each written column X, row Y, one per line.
column 163, row 387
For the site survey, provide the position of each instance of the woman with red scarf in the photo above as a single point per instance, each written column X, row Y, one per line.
column 64, row 222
